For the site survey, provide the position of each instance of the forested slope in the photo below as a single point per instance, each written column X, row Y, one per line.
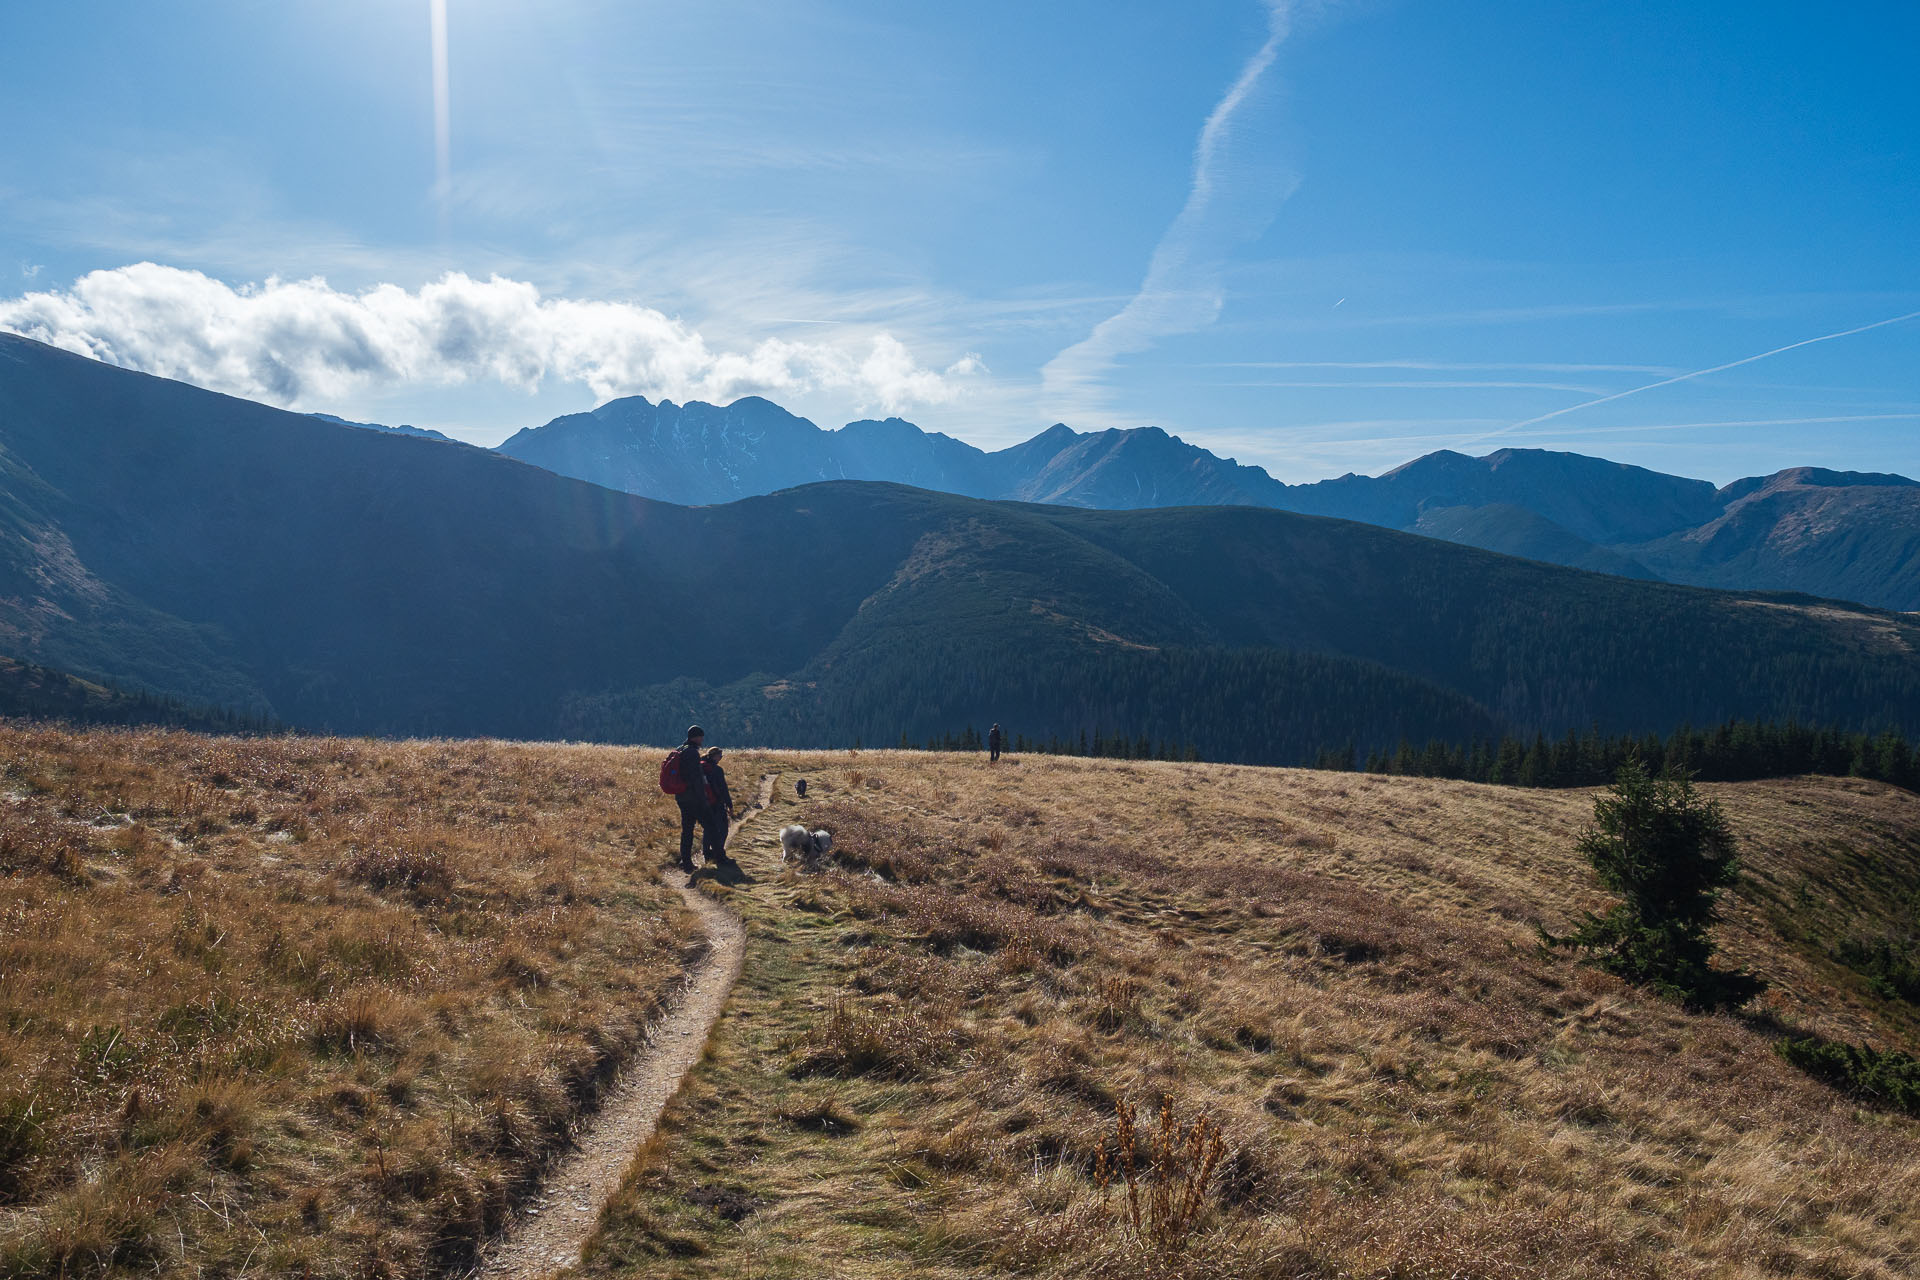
column 191, row 545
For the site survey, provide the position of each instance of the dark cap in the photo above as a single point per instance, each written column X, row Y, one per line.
column 695, row 731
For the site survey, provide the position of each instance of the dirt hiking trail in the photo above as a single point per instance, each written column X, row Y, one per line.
column 551, row 1227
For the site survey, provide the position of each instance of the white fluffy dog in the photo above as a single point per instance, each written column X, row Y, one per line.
column 797, row 844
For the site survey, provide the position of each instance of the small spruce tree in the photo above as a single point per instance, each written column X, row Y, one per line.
column 1668, row 853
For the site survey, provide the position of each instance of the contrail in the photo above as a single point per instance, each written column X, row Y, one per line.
column 1697, row 373
column 1214, row 130
column 1748, row 422
column 442, row 112
column 1226, row 204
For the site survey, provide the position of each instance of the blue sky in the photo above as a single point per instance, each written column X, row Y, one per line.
column 1321, row 237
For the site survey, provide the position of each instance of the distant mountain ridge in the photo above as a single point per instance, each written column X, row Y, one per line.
column 702, row 454
column 425, row 433
column 1848, row 535
column 192, row 545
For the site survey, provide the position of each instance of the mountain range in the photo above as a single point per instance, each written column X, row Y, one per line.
column 1850, row 535
column 703, row 453
column 195, row 546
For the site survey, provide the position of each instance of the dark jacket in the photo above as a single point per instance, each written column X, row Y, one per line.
column 692, row 772
column 993, row 737
column 717, row 779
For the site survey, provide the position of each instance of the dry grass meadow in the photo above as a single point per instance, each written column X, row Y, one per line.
column 326, row 1007
column 1083, row 1018
column 306, row 1006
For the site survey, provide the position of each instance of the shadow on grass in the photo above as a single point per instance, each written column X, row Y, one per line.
column 727, row 872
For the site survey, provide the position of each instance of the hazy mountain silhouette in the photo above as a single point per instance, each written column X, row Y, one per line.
column 703, row 453
column 1601, row 502
column 1847, row 535
column 1516, row 531
column 193, row 545
column 1850, row 534
column 425, row 433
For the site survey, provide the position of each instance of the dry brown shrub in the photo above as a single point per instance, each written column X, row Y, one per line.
column 852, row 1038
column 1168, row 1179
column 33, row 841
column 393, row 864
column 945, row 920
column 1118, row 1003
column 363, row 1022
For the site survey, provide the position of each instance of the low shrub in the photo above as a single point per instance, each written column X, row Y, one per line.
column 1890, row 966
column 1882, row 1077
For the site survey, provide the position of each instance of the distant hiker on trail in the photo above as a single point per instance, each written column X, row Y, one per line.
column 720, row 817
column 693, row 799
column 993, row 745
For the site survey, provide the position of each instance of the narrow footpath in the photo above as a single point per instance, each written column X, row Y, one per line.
column 553, row 1225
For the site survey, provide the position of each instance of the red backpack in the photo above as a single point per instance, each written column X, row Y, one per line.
column 670, row 780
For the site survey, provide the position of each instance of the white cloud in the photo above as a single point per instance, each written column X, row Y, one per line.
column 302, row 342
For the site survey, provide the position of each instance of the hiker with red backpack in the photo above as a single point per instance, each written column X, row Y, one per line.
column 683, row 778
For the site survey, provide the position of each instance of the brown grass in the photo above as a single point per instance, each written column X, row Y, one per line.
column 308, row 1006
column 326, row 1007
column 1335, row 976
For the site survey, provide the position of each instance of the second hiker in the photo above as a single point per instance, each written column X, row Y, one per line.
column 720, row 816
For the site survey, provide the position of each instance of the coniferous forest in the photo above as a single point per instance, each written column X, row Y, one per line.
column 29, row 691
column 1737, row 751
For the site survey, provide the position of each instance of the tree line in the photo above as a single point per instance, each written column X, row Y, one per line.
column 29, row 691
column 1110, row 746
column 1244, row 706
column 1736, row 751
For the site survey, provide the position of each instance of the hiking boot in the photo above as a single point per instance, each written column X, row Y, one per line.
column 686, row 865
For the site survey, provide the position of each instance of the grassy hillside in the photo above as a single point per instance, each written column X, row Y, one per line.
column 311, row 1006
column 1337, row 975
column 165, row 538
column 307, row 1006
